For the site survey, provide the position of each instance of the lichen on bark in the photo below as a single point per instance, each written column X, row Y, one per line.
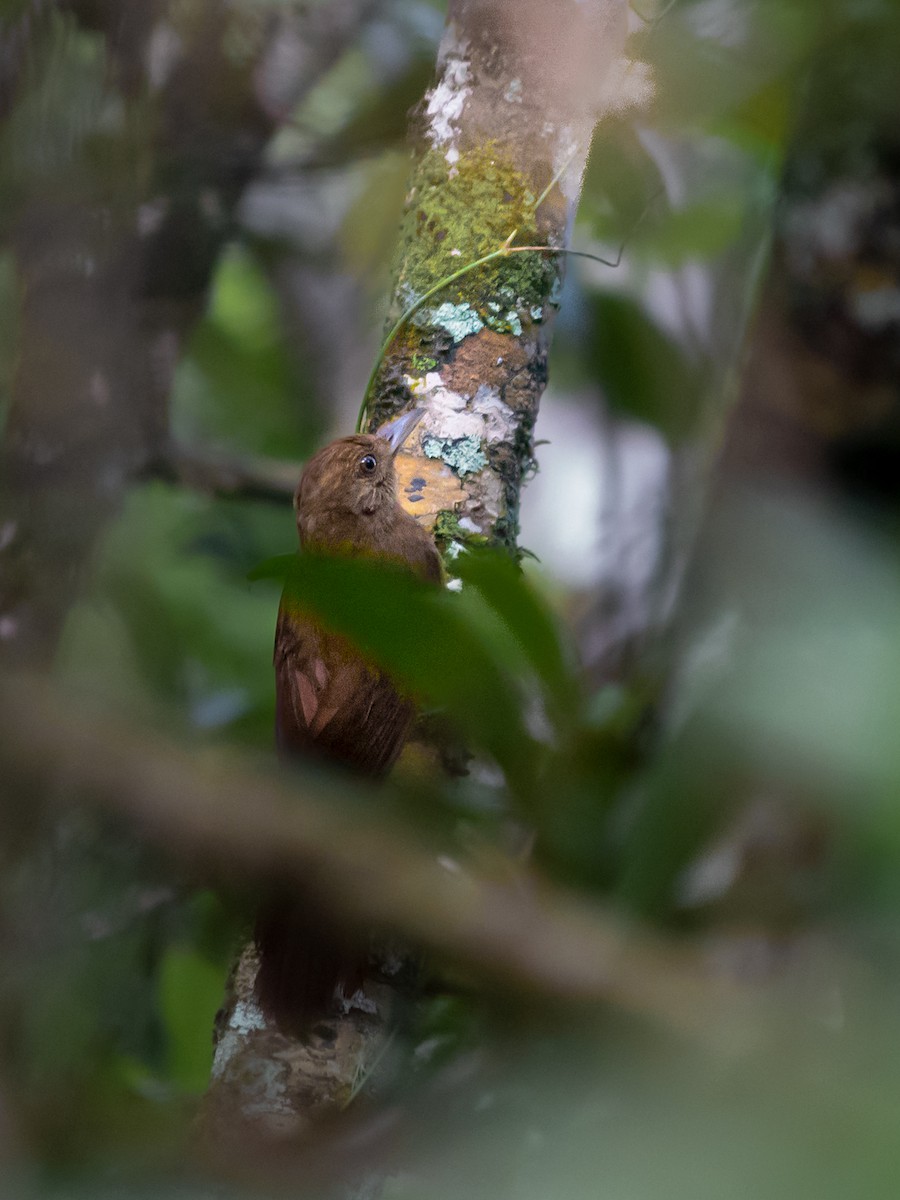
column 500, row 150
column 475, row 355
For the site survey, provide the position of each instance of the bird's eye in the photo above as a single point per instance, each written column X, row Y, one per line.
column 368, row 463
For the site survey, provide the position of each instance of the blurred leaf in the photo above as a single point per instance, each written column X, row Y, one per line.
column 621, row 183
column 190, row 994
column 712, row 59
column 762, row 124
column 334, row 100
column 813, row 686
column 594, row 776
column 643, row 372
column 701, row 231
column 677, row 809
column 524, row 615
column 237, row 384
column 171, row 617
column 380, row 122
column 367, row 236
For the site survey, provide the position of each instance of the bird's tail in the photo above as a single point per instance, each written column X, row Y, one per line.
column 307, row 965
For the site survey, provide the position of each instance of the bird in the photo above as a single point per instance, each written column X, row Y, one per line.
column 333, row 704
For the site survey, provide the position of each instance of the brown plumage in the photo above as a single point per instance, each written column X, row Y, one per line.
column 333, row 704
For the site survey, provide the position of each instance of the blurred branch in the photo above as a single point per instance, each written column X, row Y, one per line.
column 247, row 478
column 215, row 810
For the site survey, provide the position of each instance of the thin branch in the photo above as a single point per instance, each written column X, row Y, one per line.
column 245, row 478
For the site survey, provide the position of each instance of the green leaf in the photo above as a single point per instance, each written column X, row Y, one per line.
column 644, row 372
column 701, row 231
column 190, row 993
column 525, row 617
column 170, row 619
column 279, row 566
column 430, row 641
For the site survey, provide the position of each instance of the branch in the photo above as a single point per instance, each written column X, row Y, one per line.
column 246, row 478
column 233, row 820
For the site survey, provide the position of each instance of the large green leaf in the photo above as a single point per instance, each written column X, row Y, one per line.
column 430, row 641
column 190, row 993
column 525, row 617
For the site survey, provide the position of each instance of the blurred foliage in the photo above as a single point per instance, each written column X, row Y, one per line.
column 157, row 629
column 237, row 365
column 8, row 316
column 783, row 691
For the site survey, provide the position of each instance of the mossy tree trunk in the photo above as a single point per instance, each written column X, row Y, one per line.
column 501, row 141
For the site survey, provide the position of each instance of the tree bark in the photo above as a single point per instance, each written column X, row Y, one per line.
column 501, row 141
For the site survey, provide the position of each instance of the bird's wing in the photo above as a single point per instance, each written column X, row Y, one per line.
column 304, row 678
column 330, row 701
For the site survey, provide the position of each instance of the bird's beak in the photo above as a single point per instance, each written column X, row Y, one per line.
column 397, row 431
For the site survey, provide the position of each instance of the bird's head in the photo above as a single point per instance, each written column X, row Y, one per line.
column 351, row 479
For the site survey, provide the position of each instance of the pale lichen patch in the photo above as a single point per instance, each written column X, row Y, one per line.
column 452, row 415
column 446, row 412
column 513, row 93
column 447, row 100
column 464, row 454
column 458, row 320
column 499, row 419
column 488, row 505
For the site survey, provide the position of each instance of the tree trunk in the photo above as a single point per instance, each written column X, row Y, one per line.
column 501, row 141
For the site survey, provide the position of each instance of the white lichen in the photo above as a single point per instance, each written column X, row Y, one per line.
column 459, row 320
column 447, row 100
column 513, row 93
column 498, row 418
column 491, row 503
column 452, row 415
column 245, row 1018
column 463, row 455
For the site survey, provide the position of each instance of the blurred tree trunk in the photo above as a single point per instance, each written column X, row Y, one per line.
column 130, row 132
column 818, row 414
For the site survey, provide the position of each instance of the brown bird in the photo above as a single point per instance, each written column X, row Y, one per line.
column 334, row 704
